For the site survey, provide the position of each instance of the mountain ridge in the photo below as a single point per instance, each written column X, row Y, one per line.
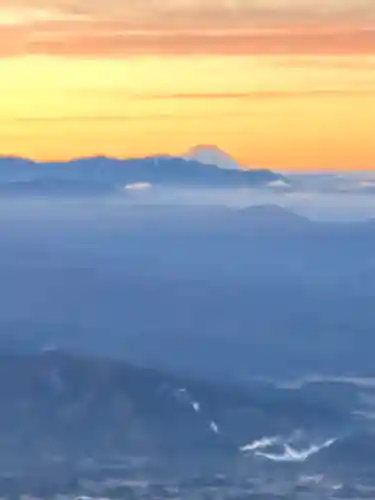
column 273, row 214
column 115, row 173
column 57, row 402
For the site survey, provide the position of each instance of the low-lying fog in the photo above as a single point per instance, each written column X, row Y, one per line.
column 312, row 204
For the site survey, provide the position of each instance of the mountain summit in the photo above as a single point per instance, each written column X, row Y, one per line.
column 211, row 155
column 274, row 216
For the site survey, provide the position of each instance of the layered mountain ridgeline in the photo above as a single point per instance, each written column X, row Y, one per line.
column 98, row 174
column 54, row 403
column 97, row 428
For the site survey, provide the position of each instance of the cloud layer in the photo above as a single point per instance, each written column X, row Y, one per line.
column 119, row 28
column 210, row 12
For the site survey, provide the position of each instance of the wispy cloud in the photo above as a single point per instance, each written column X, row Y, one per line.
column 333, row 62
column 273, row 94
column 32, row 120
column 24, row 16
column 119, row 28
column 91, row 40
column 224, row 12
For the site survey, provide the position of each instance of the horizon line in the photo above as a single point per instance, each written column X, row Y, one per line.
column 282, row 170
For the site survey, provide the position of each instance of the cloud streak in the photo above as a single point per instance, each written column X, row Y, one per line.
column 29, row 16
column 120, row 43
column 119, row 29
column 289, row 94
column 119, row 118
column 224, row 12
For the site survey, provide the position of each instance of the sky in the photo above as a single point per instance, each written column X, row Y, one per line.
column 283, row 84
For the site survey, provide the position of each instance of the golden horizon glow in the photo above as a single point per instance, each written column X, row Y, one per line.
column 276, row 83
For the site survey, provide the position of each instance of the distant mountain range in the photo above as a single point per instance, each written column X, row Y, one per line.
column 106, row 175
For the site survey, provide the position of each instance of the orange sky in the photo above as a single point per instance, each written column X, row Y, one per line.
column 276, row 83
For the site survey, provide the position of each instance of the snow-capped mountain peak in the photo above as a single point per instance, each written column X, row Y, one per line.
column 211, row 155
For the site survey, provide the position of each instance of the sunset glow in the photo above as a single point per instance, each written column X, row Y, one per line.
column 276, row 83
